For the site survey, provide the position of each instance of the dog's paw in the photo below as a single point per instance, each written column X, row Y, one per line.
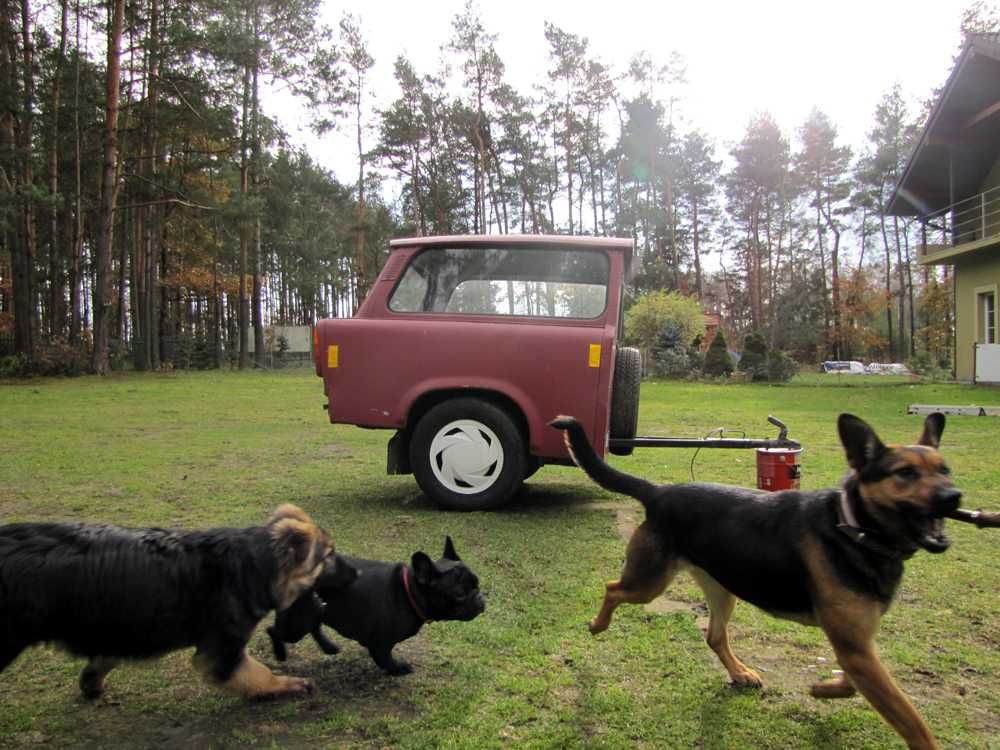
column 839, row 687
column 746, row 678
column 399, row 668
column 92, row 691
column 595, row 626
column 296, row 686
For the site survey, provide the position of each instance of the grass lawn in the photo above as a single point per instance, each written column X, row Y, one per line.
column 223, row 449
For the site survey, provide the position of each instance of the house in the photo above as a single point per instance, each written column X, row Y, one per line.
column 713, row 321
column 951, row 184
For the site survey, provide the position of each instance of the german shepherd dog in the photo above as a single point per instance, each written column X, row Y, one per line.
column 832, row 558
column 108, row 593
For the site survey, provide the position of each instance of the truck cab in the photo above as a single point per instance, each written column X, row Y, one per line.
column 467, row 346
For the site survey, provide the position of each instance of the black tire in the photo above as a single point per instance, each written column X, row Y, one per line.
column 624, row 419
column 468, row 454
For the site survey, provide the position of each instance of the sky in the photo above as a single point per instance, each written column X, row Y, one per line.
column 742, row 58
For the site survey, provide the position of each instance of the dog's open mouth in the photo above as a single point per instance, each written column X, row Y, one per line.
column 931, row 536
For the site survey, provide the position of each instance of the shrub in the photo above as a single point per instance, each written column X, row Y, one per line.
column 56, row 356
column 754, row 359
column 924, row 364
column 718, row 363
column 696, row 357
column 14, row 366
column 780, row 367
column 53, row 356
column 671, row 363
column 646, row 320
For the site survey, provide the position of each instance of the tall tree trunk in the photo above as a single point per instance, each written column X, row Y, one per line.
column 359, row 241
column 23, row 250
column 753, row 280
column 569, row 164
column 695, row 247
column 888, row 283
column 76, row 249
column 109, row 190
column 672, row 230
column 56, row 288
column 258, row 321
column 244, row 309
column 822, row 260
column 909, row 293
column 148, row 249
column 838, row 335
column 901, row 274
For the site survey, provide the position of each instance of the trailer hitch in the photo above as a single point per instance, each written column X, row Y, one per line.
column 781, row 441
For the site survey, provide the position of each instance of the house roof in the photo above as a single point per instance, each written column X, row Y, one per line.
column 961, row 140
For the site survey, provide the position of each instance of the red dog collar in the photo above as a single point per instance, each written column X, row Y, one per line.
column 409, row 595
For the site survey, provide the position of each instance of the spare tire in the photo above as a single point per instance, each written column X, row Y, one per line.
column 624, row 418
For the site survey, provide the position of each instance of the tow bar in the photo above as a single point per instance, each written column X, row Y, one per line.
column 777, row 458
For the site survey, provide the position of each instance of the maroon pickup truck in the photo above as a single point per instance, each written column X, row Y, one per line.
column 467, row 346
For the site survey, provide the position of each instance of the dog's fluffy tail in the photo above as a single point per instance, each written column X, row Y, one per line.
column 586, row 458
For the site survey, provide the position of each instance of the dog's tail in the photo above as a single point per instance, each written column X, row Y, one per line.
column 586, row 458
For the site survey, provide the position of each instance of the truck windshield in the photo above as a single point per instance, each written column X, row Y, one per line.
column 504, row 281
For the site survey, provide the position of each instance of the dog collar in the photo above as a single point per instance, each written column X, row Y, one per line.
column 409, row 595
column 848, row 525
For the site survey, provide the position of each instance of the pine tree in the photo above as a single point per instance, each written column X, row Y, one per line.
column 754, row 359
column 717, row 360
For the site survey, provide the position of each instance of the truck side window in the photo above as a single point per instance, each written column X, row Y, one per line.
column 551, row 283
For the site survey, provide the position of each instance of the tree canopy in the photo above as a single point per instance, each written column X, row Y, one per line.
column 150, row 196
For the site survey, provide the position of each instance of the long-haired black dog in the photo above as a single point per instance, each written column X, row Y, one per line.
column 109, row 593
column 832, row 558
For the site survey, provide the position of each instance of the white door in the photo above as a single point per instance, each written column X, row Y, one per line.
column 988, row 363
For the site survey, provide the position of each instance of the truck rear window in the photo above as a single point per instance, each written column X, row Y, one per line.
column 504, row 281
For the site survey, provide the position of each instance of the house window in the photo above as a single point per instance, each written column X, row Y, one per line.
column 988, row 317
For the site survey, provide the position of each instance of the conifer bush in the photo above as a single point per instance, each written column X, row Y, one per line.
column 718, row 363
column 754, row 359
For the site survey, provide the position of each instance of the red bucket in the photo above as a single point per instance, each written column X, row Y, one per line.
column 778, row 469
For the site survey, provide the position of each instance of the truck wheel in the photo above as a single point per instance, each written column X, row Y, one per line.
column 468, row 454
column 625, row 397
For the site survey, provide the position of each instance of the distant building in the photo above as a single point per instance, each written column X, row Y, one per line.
column 713, row 322
column 951, row 184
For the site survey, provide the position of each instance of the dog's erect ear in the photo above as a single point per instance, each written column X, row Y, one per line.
column 449, row 550
column 424, row 567
column 338, row 573
column 860, row 441
column 290, row 511
column 293, row 541
column 933, row 427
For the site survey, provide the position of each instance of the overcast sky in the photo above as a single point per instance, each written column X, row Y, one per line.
column 742, row 57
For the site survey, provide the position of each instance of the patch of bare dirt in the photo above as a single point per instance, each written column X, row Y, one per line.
column 199, row 716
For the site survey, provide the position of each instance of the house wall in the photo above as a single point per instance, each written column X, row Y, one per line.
column 974, row 273
column 993, row 178
column 992, row 184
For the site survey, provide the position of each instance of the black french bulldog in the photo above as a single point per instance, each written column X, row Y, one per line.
column 383, row 604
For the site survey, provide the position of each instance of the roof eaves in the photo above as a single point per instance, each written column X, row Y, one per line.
column 899, row 193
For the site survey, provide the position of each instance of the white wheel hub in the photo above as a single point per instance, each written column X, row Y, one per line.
column 466, row 456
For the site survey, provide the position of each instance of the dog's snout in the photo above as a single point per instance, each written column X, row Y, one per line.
column 948, row 499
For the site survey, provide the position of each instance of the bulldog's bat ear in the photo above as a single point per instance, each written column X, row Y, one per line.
column 424, row 568
column 449, row 550
column 933, row 427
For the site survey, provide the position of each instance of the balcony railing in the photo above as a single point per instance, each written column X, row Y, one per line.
column 969, row 220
